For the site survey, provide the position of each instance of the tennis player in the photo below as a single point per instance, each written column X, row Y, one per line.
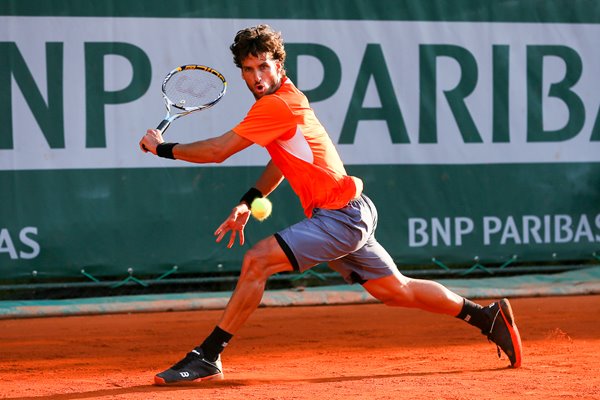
column 340, row 222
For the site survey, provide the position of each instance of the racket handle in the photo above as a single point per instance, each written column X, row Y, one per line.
column 162, row 127
column 164, row 124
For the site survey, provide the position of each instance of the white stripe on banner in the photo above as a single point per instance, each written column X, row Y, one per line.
column 387, row 53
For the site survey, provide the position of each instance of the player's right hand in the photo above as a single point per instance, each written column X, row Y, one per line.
column 150, row 140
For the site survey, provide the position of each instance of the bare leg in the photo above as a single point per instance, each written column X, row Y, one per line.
column 399, row 290
column 260, row 262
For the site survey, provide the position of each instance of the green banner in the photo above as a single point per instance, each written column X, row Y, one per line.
column 475, row 126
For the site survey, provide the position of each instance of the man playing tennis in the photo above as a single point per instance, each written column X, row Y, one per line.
column 340, row 220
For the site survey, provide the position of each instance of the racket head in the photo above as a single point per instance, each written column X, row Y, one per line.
column 193, row 87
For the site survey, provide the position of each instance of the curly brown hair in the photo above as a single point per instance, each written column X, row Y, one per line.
column 257, row 40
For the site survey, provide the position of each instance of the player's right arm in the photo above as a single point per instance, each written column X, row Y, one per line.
column 213, row 150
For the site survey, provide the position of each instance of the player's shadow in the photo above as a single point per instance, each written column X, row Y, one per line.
column 231, row 383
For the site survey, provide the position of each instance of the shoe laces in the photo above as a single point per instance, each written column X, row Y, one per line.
column 189, row 357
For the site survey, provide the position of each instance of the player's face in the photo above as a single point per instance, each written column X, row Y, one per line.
column 262, row 74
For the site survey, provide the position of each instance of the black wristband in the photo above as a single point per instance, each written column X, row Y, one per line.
column 165, row 150
column 250, row 195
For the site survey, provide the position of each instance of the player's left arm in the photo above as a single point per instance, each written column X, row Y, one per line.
column 235, row 223
column 270, row 178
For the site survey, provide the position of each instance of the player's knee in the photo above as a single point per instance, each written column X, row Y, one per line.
column 253, row 267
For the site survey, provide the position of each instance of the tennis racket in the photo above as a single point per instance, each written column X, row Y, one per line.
column 190, row 88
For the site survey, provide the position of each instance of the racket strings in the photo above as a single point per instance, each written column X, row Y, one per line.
column 193, row 88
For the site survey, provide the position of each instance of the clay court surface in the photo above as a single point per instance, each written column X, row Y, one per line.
column 366, row 351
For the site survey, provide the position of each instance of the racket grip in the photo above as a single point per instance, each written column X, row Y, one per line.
column 164, row 124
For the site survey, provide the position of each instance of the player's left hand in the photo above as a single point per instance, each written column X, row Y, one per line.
column 235, row 223
column 150, row 140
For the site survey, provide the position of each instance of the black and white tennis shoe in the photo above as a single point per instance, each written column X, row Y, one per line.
column 193, row 367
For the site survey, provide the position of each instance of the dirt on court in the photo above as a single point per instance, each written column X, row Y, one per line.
column 345, row 352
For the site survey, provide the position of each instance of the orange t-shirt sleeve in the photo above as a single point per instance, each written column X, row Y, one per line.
column 268, row 119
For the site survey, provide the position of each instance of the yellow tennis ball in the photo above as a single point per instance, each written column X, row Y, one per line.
column 261, row 208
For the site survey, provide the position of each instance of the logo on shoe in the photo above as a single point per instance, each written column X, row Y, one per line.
column 184, row 374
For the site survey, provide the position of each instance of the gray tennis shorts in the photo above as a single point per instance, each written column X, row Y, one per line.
column 344, row 238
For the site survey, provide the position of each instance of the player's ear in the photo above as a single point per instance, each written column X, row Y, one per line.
column 279, row 66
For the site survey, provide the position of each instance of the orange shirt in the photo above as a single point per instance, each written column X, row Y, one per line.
column 287, row 127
